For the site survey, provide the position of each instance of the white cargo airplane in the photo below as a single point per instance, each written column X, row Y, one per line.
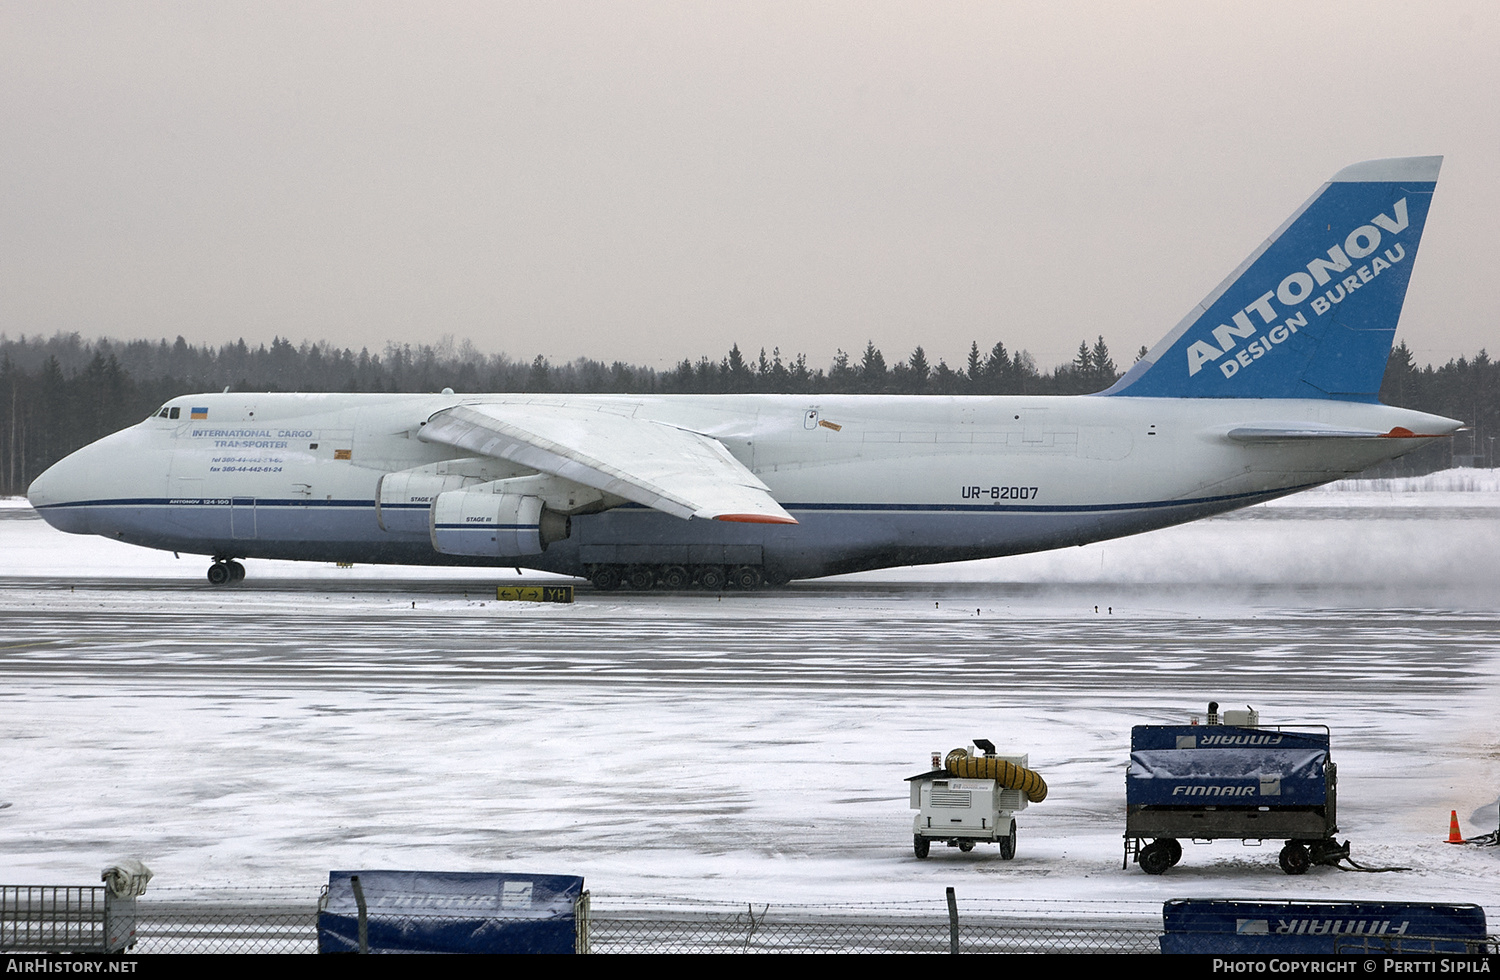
column 1267, row 387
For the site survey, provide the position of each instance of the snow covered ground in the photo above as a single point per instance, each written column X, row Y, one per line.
column 750, row 747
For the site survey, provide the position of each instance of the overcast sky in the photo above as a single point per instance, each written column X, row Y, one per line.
column 652, row 181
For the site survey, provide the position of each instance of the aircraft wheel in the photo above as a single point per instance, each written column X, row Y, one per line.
column 606, row 578
column 218, row 573
column 920, row 845
column 1008, row 843
column 1294, row 858
column 641, row 577
column 745, row 577
column 236, row 571
column 675, row 577
column 1174, row 850
column 711, row 578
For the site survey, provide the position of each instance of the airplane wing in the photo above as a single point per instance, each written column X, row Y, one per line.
column 683, row 473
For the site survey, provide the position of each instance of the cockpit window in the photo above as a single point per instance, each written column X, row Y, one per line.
column 168, row 412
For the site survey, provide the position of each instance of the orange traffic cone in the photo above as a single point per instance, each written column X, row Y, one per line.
column 1454, row 837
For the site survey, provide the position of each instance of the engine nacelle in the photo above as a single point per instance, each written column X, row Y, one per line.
column 485, row 524
column 403, row 500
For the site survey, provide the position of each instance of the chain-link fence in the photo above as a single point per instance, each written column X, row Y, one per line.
column 263, row 922
column 793, row 929
column 256, row 921
column 1415, row 945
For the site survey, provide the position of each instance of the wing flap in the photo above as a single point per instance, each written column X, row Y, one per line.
column 677, row 471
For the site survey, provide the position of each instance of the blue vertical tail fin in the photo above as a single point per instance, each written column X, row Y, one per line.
column 1313, row 311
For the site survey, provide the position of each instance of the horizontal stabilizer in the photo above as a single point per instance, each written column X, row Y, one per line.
column 682, row 473
column 1288, row 431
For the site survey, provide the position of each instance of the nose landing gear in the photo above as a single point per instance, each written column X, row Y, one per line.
column 225, row 571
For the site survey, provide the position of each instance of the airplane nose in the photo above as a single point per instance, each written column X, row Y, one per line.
column 61, row 484
column 43, row 489
column 106, row 487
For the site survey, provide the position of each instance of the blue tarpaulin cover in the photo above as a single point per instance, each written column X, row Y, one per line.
column 1224, row 765
column 1216, row 925
column 451, row 912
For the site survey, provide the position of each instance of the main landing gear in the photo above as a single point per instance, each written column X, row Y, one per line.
column 710, row 578
column 225, row 571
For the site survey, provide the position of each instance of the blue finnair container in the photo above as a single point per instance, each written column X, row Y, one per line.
column 452, row 912
column 1225, row 765
column 1219, row 926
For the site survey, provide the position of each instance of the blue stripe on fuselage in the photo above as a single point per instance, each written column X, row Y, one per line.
column 853, row 508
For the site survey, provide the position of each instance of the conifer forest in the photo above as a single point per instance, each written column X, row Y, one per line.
column 61, row 392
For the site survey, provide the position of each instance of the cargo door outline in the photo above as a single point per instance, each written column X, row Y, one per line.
column 241, row 517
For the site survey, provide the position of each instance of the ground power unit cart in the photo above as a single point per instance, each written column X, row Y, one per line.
column 973, row 798
column 1214, row 782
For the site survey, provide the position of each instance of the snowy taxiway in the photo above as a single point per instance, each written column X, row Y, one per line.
column 750, row 747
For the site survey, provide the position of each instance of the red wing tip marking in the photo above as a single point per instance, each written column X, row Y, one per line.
column 755, row 519
column 1401, row 432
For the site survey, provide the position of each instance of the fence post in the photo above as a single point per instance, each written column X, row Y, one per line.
column 755, row 923
column 364, row 918
column 952, row 922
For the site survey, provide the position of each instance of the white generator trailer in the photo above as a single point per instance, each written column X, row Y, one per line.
column 962, row 810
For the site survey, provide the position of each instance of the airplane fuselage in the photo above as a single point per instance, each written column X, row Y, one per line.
column 873, row 481
column 1268, row 386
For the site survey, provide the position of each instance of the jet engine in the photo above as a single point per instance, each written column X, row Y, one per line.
column 489, row 524
column 403, row 500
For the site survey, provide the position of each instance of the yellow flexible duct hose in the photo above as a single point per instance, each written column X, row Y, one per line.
column 960, row 763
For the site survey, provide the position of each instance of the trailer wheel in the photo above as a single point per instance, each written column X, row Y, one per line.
column 1155, row 858
column 920, row 845
column 1294, row 858
column 1008, row 843
column 966, row 846
column 1174, row 850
